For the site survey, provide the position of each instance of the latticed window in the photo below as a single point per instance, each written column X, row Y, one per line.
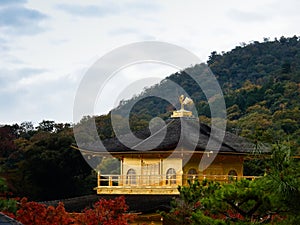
column 171, row 176
column 131, row 177
column 232, row 175
column 150, row 174
column 192, row 173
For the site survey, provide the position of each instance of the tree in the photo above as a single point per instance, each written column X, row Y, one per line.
column 267, row 199
column 246, row 200
column 286, row 67
column 109, row 165
column 7, row 137
column 188, row 208
column 243, row 200
column 26, row 129
column 33, row 213
column 46, row 125
column 283, row 179
column 7, row 204
column 106, row 212
column 50, row 169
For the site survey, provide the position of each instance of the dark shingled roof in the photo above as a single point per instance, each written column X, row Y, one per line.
column 6, row 220
column 180, row 132
column 136, row 203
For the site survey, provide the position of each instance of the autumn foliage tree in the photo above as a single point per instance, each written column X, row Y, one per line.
column 33, row 213
column 104, row 212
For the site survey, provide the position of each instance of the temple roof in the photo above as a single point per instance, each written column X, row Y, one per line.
column 6, row 220
column 184, row 133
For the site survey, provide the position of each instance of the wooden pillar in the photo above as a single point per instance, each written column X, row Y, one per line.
column 162, row 172
column 121, row 166
column 141, row 177
column 180, row 178
column 121, row 172
column 98, row 178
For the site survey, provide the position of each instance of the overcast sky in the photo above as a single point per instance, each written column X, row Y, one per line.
column 47, row 46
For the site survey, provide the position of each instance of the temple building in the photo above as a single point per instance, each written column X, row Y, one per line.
column 158, row 170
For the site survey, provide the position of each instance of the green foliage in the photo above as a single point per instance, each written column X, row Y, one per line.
column 61, row 170
column 212, row 203
column 41, row 165
column 283, row 179
column 200, row 219
column 197, row 190
column 257, row 61
column 109, row 165
column 7, row 137
column 6, row 204
column 184, row 208
column 247, row 198
column 272, row 198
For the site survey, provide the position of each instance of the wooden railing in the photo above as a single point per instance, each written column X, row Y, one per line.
column 162, row 180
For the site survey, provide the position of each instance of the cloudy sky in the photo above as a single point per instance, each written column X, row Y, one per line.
column 47, row 46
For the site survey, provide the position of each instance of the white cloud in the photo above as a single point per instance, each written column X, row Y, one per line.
column 20, row 20
column 89, row 10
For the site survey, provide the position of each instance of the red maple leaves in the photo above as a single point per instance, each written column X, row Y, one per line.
column 35, row 213
column 104, row 212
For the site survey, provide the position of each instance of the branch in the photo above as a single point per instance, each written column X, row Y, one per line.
column 240, row 211
column 253, row 210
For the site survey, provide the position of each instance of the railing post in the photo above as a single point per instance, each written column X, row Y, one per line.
column 109, row 181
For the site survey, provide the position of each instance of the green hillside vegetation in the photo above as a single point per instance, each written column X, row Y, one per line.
column 261, row 85
column 261, row 82
column 38, row 162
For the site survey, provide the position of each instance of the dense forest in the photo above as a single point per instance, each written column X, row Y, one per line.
column 261, row 86
column 38, row 163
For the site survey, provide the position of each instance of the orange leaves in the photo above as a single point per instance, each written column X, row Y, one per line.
column 104, row 212
column 35, row 213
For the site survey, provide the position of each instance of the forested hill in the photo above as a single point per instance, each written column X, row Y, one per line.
column 261, row 85
column 258, row 62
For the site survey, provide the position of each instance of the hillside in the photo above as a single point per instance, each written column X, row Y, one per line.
column 258, row 62
column 261, row 86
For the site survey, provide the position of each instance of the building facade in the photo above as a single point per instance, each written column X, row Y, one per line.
column 182, row 154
